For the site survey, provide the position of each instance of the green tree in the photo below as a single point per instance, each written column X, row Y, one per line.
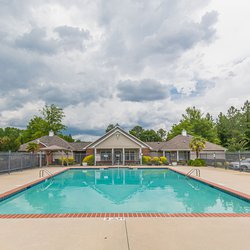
column 67, row 138
column 32, row 147
column 233, row 128
column 37, row 127
column 10, row 139
column 145, row 135
column 4, row 141
column 53, row 116
column 196, row 124
column 149, row 135
column 162, row 133
column 246, row 123
column 197, row 144
column 111, row 126
column 137, row 131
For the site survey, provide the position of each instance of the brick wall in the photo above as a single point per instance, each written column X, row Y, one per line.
column 90, row 151
column 146, row 151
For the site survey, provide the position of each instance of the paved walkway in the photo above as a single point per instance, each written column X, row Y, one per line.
column 19, row 178
column 132, row 233
column 136, row 234
column 240, row 181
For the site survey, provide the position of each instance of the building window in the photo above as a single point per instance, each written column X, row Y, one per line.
column 130, row 155
column 106, row 155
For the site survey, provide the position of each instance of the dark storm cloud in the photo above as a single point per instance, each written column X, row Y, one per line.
column 18, row 70
column 92, row 132
column 156, row 34
column 72, row 37
column 69, row 38
column 186, row 36
column 44, row 44
column 145, row 90
column 36, row 41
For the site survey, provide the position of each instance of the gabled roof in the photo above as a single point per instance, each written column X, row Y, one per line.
column 181, row 142
column 79, row 146
column 113, row 131
column 54, row 148
column 48, row 141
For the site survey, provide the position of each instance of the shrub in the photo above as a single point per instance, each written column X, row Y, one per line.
column 219, row 164
column 67, row 161
column 164, row 160
column 197, row 162
column 155, row 160
column 182, row 162
column 146, row 159
column 89, row 159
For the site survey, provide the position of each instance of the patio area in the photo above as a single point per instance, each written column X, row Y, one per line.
column 128, row 233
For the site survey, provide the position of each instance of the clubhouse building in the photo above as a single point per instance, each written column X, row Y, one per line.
column 117, row 147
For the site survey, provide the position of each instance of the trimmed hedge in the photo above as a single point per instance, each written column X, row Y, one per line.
column 146, row 159
column 89, row 159
column 67, row 161
column 164, row 160
column 197, row 162
column 155, row 160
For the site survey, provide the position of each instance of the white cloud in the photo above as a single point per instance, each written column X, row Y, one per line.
column 99, row 59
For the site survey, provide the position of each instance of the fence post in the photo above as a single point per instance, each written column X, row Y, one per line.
column 9, row 162
column 239, row 160
column 21, row 162
column 40, row 159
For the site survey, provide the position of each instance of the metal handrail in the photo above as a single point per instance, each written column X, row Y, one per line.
column 196, row 170
column 42, row 171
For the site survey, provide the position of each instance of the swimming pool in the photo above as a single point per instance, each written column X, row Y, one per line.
column 122, row 190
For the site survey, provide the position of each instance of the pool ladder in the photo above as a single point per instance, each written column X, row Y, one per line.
column 44, row 171
column 194, row 170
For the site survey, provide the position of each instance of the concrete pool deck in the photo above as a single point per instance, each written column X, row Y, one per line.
column 130, row 233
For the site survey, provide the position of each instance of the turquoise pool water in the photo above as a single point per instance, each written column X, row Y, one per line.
column 122, row 190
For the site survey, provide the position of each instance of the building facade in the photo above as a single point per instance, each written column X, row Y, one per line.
column 117, row 147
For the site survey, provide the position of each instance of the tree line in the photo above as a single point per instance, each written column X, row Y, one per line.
column 50, row 119
column 231, row 130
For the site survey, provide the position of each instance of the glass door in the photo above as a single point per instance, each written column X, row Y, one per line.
column 118, row 157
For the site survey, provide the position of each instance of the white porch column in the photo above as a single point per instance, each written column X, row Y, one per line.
column 177, row 156
column 140, row 156
column 95, row 156
column 112, row 155
column 123, row 156
column 164, row 153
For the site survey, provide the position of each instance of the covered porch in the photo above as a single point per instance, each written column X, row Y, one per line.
column 177, row 155
column 118, row 156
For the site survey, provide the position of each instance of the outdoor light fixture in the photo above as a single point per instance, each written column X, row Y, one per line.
column 117, row 135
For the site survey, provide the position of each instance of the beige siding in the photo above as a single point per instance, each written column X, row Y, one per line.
column 155, row 154
column 58, row 155
column 115, row 141
column 219, row 154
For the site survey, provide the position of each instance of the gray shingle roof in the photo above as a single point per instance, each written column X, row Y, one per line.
column 124, row 132
column 79, row 146
column 181, row 142
column 48, row 141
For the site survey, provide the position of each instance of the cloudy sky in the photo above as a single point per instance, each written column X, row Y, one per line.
column 129, row 62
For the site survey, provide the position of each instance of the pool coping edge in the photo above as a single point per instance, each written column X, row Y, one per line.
column 14, row 191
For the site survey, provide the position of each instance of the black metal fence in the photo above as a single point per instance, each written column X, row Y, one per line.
column 229, row 160
column 13, row 161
